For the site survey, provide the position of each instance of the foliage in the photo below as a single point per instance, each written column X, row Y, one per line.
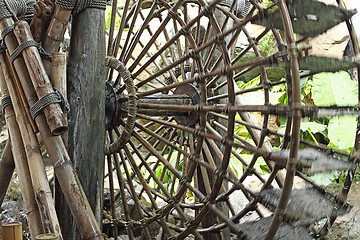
column 268, row 45
column 108, row 18
column 334, row 89
column 328, row 89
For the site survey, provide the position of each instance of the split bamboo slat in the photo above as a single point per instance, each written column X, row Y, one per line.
column 47, row 236
column 55, row 33
column 39, row 78
column 7, row 167
column 12, row 231
column 31, row 209
column 39, row 179
column 59, row 157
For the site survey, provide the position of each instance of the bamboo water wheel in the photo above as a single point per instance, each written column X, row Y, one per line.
column 175, row 109
column 182, row 136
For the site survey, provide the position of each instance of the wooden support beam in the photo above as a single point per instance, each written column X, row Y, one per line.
column 86, row 94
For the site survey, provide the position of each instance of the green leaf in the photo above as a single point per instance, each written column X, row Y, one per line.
column 341, row 131
column 313, row 126
column 252, row 83
column 323, row 178
column 334, row 89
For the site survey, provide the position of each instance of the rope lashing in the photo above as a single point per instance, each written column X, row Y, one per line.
column 79, row 5
column 50, row 98
column 2, row 47
column 24, row 45
column 17, row 9
column 6, row 31
column 5, row 102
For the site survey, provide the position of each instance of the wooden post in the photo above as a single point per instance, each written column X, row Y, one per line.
column 47, row 236
column 12, row 231
column 7, row 167
column 39, row 78
column 86, row 94
column 33, row 215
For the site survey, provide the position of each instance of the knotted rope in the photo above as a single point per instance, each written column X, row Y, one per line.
column 18, row 9
column 79, row 5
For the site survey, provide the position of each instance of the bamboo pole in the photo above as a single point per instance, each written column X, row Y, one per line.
column 59, row 82
column 59, row 79
column 47, row 236
column 55, row 33
column 32, row 211
column 20, row 67
column 39, row 179
column 59, row 157
column 7, row 167
column 39, row 78
column 12, row 231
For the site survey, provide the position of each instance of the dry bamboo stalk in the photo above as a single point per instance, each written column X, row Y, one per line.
column 35, row 162
column 64, row 170
column 55, row 33
column 31, row 208
column 47, row 236
column 39, row 78
column 7, row 167
column 12, row 231
column 59, row 79
column 59, row 82
column 59, row 71
column 20, row 67
column 23, row 99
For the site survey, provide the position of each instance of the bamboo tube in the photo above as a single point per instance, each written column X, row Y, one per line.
column 12, row 231
column 59, row 71
column 32, row 211
column 55, row 33
column 36, row 166
column 21, row 71
column 59, row 82
column 39, row 78
column 7, row 167
column 59, row 157
column 47, row 236
column 59, row 79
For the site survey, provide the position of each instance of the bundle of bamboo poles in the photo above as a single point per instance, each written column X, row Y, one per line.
column 25, row 80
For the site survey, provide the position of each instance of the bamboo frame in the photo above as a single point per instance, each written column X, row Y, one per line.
column 59, row 157
column 17, row 147
column 39, row 78
column 55, row 33
column 39, row 179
